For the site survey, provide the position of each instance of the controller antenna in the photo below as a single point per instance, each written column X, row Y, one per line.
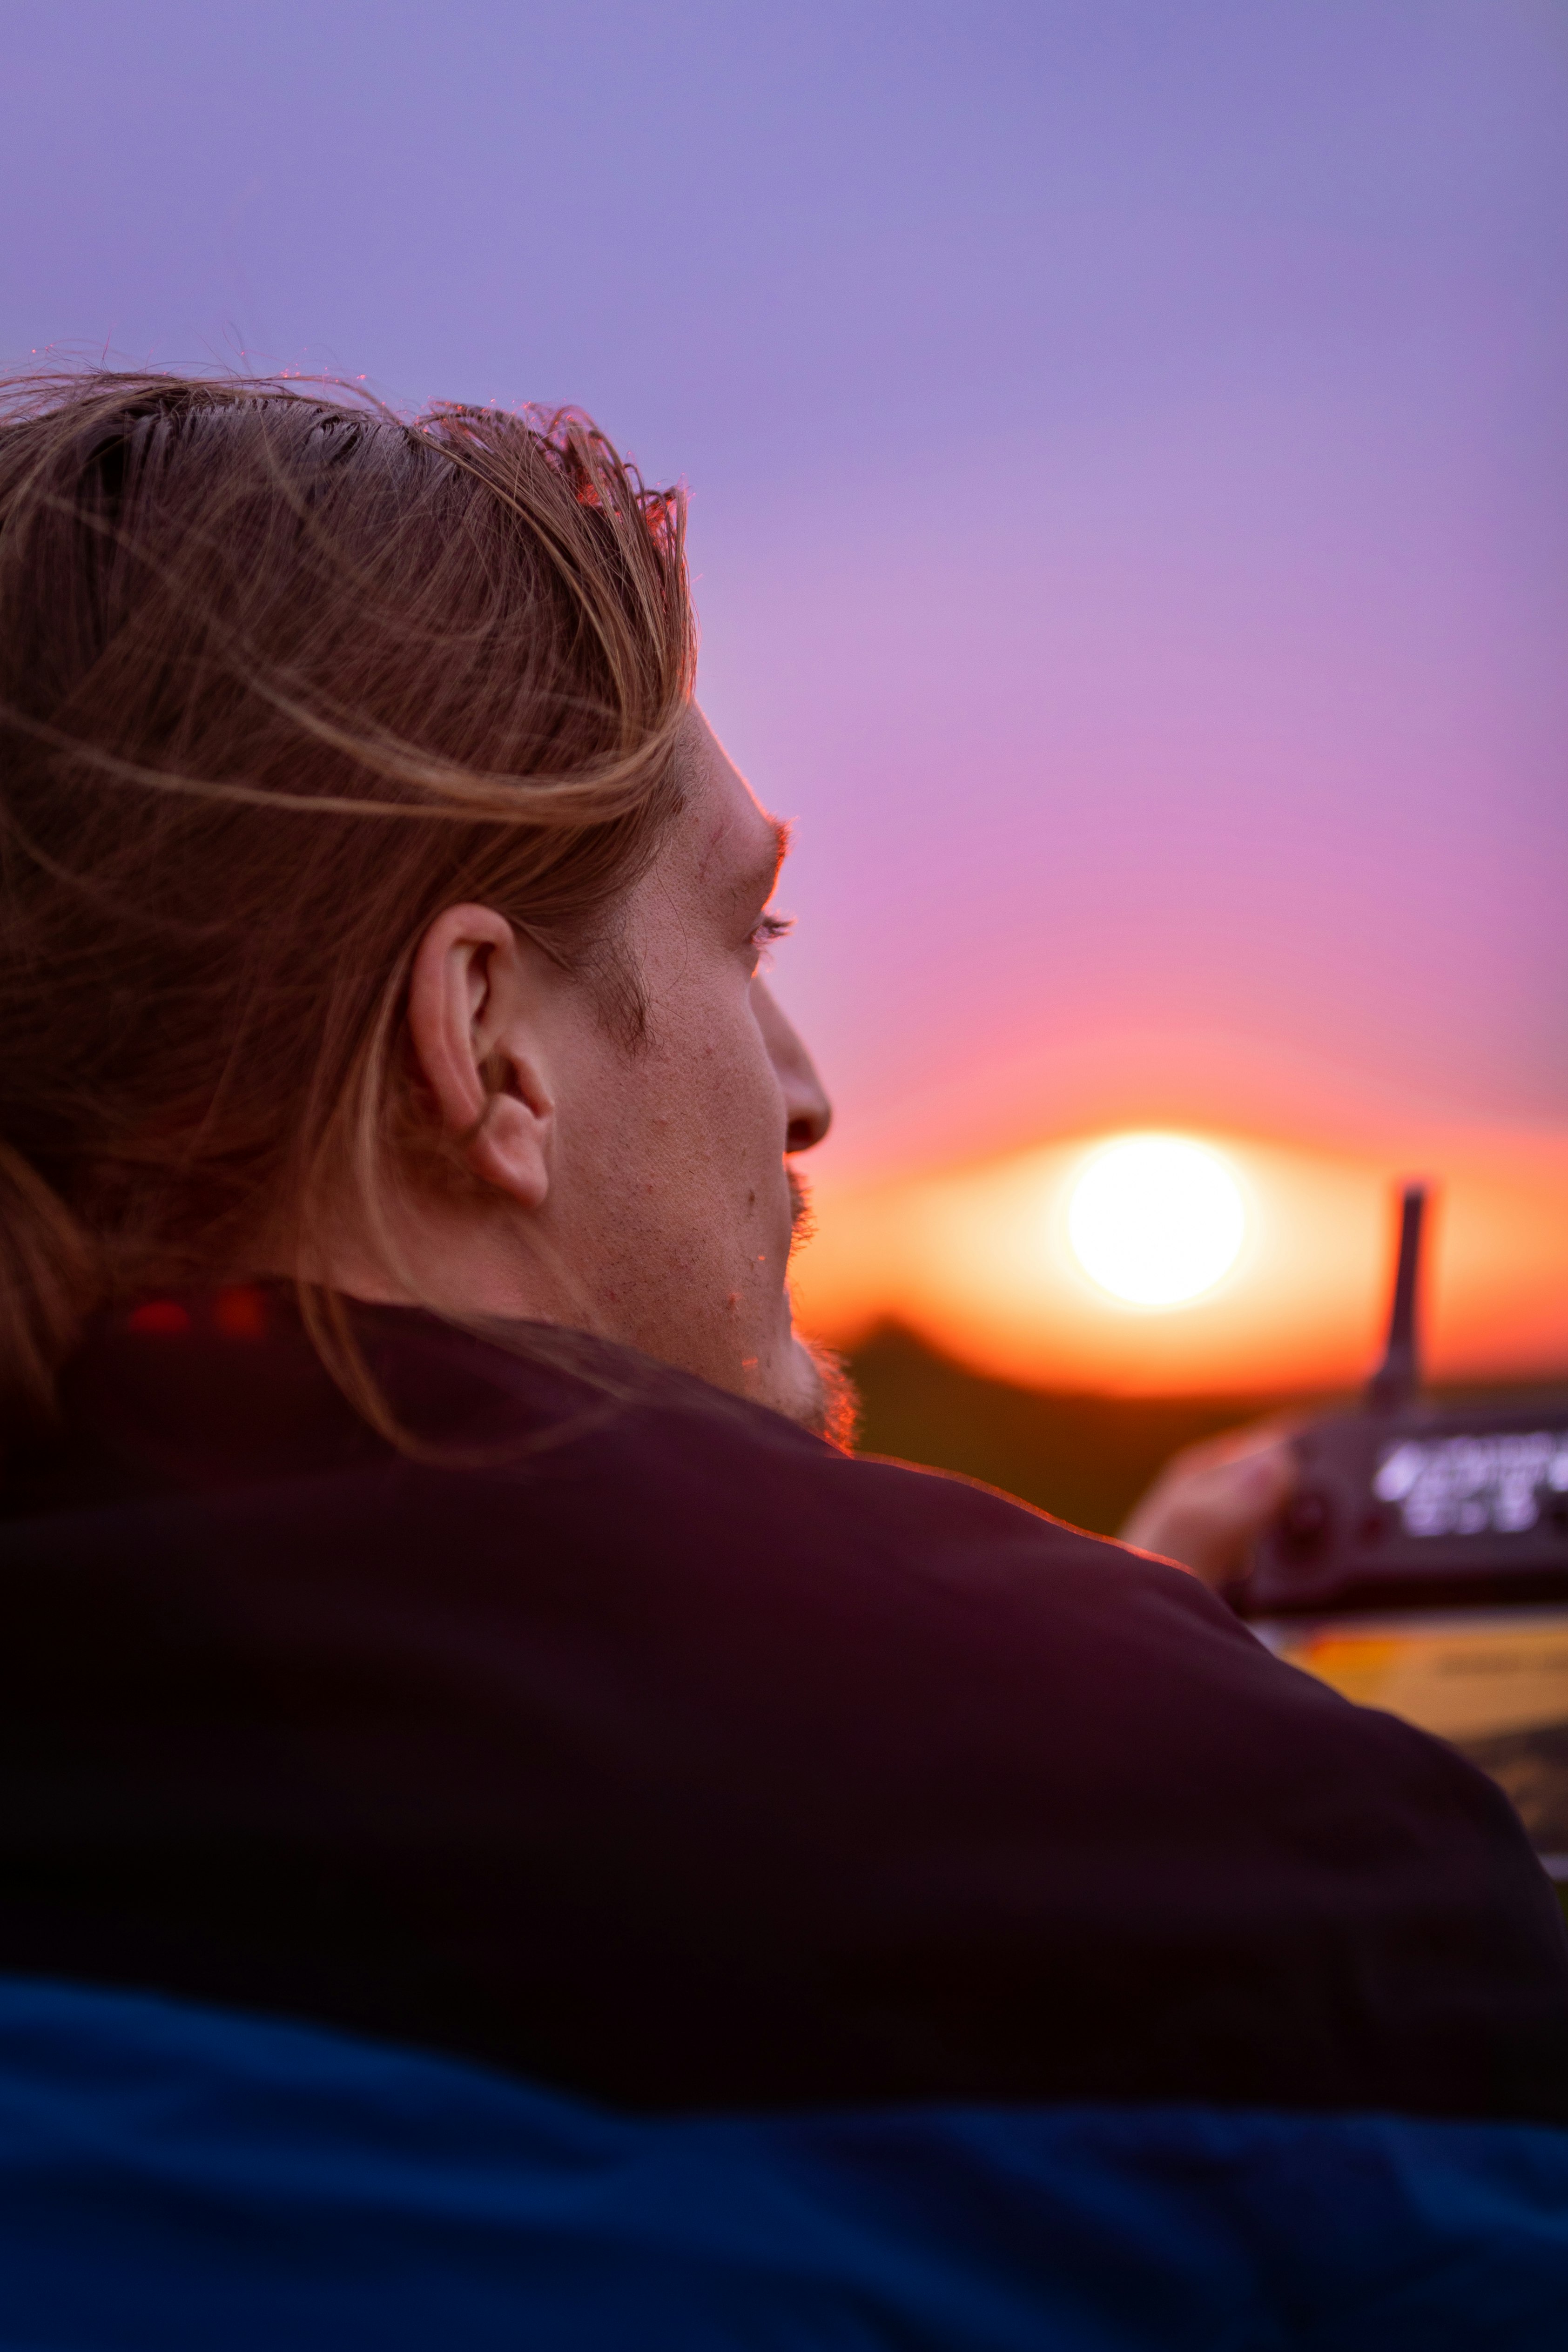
column 1398, row 1376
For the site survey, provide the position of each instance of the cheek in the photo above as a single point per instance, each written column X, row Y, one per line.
column 757, row 1081
column 682, row 1190
column 719, row 1132
column 723, row 1083
column 696, row 1111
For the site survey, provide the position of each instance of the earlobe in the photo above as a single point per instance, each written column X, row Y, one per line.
column 466, row 1027
column 510, row 1147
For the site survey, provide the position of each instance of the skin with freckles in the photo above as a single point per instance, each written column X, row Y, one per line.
column 637, row 1191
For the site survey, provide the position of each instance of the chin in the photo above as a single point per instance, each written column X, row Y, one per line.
column 824, row 1398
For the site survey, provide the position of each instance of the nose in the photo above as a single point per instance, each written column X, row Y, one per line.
column 808, row 1112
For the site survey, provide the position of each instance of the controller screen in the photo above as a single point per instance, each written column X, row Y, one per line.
column 1471, row 1485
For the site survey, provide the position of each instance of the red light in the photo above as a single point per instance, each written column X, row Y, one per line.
column 158, row 1318
column 240, row 1314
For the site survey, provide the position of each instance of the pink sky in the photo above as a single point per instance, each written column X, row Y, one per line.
column 1208, row 764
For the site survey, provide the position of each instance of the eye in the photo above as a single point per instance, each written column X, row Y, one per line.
column 768, row 931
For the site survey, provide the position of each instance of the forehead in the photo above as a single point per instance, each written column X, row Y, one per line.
column 733, row 848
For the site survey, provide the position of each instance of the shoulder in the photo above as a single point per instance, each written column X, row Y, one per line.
column 740, row 1526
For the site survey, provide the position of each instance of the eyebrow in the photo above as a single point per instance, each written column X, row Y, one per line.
column 760, row 880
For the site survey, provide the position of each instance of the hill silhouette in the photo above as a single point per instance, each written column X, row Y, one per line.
column 1085, row 1458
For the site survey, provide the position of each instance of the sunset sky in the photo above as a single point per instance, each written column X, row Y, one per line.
column 1129, row 455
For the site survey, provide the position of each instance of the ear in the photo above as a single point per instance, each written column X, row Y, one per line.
column 469, row 1005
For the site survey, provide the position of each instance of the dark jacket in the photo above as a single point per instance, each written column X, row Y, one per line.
column 645, row 1745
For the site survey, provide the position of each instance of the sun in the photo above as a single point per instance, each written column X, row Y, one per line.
column 1156, row 1219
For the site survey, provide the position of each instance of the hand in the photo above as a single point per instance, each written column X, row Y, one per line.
column 1211, row 1501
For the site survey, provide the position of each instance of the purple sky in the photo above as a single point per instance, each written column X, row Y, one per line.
column 1129, row 448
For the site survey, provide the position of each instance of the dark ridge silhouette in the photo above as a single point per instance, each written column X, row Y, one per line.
column 1085, row 1458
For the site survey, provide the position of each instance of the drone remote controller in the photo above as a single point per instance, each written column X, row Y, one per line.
column 1409, row 1505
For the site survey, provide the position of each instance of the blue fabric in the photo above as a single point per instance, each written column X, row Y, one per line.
column 175, row 2178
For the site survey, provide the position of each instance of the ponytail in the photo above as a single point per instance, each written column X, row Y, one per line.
column 46, row 1289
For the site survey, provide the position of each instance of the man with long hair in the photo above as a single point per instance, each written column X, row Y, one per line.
column 438, row 1599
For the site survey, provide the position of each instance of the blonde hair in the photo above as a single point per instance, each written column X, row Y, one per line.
column 281, row 675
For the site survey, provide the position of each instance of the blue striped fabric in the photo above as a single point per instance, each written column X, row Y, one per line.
column 174, row 2176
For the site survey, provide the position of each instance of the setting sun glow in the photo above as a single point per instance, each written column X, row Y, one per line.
column 1156, row 1219
column 985, row 1260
